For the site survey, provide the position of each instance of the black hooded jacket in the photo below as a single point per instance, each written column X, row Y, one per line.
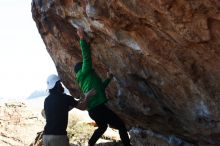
column 57, row 106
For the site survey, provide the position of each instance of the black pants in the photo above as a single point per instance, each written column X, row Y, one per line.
column 103, row 116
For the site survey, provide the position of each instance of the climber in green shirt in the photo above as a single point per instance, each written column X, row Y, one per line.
column 88, row 79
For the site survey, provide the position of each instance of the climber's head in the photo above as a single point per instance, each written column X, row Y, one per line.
column 52, row 80
column 54, row 84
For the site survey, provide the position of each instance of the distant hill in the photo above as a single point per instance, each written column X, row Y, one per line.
column 37, row 94
column 41, row 93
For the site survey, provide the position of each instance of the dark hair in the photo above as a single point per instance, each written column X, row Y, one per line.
column 58, row 88
column 78, row 67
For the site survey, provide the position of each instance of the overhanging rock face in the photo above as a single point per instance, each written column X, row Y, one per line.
column 164, row 55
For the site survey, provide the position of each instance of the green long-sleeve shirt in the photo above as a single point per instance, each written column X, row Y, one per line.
column 88, row 79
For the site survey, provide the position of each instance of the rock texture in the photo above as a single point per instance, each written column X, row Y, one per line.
column 164, row 55
column 18, row 124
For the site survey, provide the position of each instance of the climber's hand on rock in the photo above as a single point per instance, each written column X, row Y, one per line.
column 80, row 33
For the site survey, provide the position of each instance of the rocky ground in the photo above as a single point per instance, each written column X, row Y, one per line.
column 18, row 124
column 21, row 121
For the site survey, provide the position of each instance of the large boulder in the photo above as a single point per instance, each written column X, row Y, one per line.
column 164, row 55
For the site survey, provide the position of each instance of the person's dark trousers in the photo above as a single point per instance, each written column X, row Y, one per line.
column 103, row 116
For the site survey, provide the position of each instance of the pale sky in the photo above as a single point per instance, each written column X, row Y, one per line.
column 24, row 60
